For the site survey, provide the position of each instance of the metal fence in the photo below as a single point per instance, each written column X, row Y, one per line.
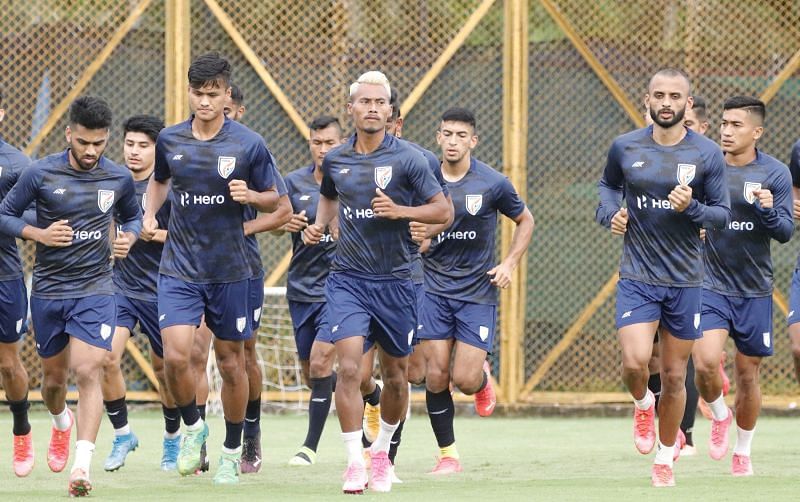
column 552, row 82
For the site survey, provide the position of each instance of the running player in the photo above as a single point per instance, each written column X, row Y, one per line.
column 13, row 314
column 135, row 280
column 460, row 308
column 77, row 192
column 737, row 286
column 369, row 290
column 210, row 167
column 674, row 182
column 793, row 319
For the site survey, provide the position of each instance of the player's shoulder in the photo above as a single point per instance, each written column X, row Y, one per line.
column 13, row 157
column 344, row 150
column 772, row 165
column 405, row 151
column 298, row 175
column 179, row 129
column 51, row 162
column 114, row 169
column 702, row 142
column 487, row 172
column 243, row 133
column 796, row 147
column 637, row 136
column 429, row 155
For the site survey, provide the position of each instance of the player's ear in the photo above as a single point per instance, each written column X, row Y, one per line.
column 2, row 114
column 68, row 134
column 758, row 132
column 473, row 141
column 689, row 103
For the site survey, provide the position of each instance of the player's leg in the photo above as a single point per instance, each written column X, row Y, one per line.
column 251, row 440
column 636, row 342
column 794, row 338
column 371, row 392
column 199, row 363
column 439, row 402
column 394, row 404
column 748, row 407
column 793, row 321
column 654, row 367
column 14, row 378
column 113, row 388
column 350, row 409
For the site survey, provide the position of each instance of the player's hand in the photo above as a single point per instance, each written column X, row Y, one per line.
column 418, row 231
column 312, row 234
column 764, row 197
column 57, row 235
column 680, row 197
column 239, row 191
column 703, row 234
column 501, row 275
column 298, row 222
column 149, row 227
column 122, row 244
column 796, row 209
column 619, row 223
column 384, row 207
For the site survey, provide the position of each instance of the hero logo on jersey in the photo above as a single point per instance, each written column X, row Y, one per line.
column 686, row 173
column 105, row 199
column 383, row 175
column 749, row 187
column 474, row 203
column 225, row 166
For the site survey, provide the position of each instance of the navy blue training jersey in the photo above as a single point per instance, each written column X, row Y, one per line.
column 368, row 244
column 250, row 213
column 417, row 272
column 737, row 258
column 206, row 241
column 794, row 164
column 88, row 200
column 310, row 264
column 662, row 246
column 137, row 275
column 459, row 257
column 12, row 162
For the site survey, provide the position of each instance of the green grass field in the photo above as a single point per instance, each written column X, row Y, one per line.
column 503, row 458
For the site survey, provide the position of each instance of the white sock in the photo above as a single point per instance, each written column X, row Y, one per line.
column 718, row 408
column 83, row 455
column 646, row 402
column 195, row 426
column 381, row 443
column 62, row 421
column 172, row 435
column 664, row 454
column 352, row 443
column 234, row 451
column 123, row 431
column 743, row 441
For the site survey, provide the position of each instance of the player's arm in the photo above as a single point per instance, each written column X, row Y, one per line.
column 610, row 212
column 435, row 210
column 130, row 218
column 774, row 208
column 273, row 221
column 327, row 208
column 796, row 204
column 21, row 195
column 260, row 192
column 716, row 211
column 157, row 191
column 511, row 206
column 794, row 170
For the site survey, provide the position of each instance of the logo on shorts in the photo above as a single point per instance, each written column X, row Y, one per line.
column 749, row 187
column 474, row 203
column 225, row 166
column 483, row 332
column 257, row 314
column 383, row 175
column 335, row 329
column 105, row 199
column 686, row 173
column 241, row 323
column 105, row 331
column 627, row 314
column 162, row 317
column 766, row 339
column 410, row 337
column 19, row 326
column 305, row 197
column 696, row 321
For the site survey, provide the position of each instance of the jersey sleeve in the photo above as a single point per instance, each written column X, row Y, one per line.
column 280, row 183
column 436, row 168
column 794, row 164
column 715, row 211
column 127, row 208
column 328, row 187
column 161, row 172
column 22, row 194
column 778, row 219
column 262, row 168
column 421, row 178
column 610, row 187
column 508, row 200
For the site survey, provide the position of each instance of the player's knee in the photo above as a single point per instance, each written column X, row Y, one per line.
column 111, row 363
column 348, row 371
column 705, row 371
column 416, row 374
column 467, row 381
column 747, row 379
column 673, row 381
column 87, row 374
column 796, row 349
column 231, row 368
column 437, row 378
column 319, row 368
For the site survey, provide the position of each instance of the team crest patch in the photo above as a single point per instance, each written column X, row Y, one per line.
column 749, row 187
column 105, row 331
column 696, row 321
column 383, row 175
column 241, row 322
column 105, row 199
column 225, row 166
column 474, row 203
column 686, row 173
column 483, row 332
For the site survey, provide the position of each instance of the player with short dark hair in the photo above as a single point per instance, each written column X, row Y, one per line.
column 13, row 318
column 674, row 182
column 459, row 312
column 135, row 282
column 793, row 319
column 737, row 286
column 369, row 290
column 211, row 167
column 77, row 192
column 696, row 117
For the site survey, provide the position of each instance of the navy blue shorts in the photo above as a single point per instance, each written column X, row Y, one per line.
column 132, row 311
column 182, row 303
column 794, row 299
column 678, row 309
column 310, row 321
column 13, row 310
column 381, row 310
column 747, row 320
column 419, row 293
column 90, row 319
column 471, row 323
column 256, row 301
